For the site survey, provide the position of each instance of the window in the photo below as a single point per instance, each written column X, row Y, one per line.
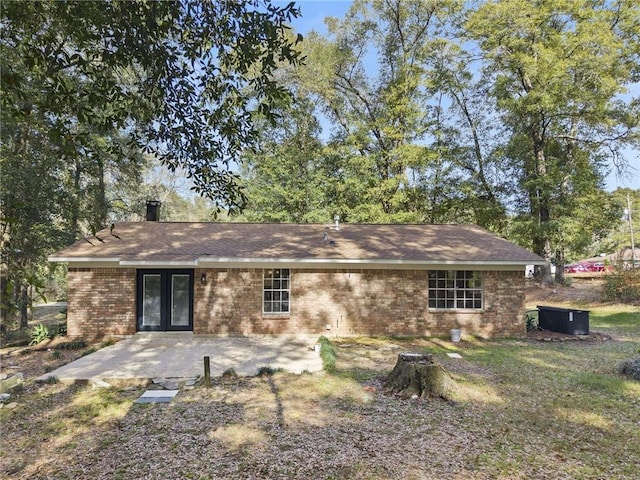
column 461, row 289
column 276, row 291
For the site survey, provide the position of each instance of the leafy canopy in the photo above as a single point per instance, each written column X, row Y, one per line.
column 183, row 78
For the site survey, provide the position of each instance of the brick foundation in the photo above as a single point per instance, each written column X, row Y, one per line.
column 345, row 302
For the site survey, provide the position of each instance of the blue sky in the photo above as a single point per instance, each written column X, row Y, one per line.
column 315, row 11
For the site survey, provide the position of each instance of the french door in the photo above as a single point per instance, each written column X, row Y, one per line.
column 165, row 300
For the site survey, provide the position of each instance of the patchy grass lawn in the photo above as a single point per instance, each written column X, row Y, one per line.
column 522, row 409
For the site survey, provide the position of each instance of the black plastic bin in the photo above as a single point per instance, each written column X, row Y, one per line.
column 563, row 320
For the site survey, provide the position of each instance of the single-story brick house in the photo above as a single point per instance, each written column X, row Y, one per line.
column 247, row 279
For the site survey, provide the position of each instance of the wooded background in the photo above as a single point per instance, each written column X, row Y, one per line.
column 508, row 114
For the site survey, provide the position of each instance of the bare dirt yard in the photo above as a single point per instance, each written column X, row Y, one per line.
column 35, row 360
column 520, row 409
column 581, row 292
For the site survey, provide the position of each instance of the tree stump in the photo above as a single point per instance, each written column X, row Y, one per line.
column 418, row 375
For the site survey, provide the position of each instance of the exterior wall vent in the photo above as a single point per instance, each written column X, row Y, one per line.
column 153, row 211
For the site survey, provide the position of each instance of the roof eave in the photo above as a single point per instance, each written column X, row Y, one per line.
column 63, row 259
column 261, row 262
column 362, row 263
column 159, row 263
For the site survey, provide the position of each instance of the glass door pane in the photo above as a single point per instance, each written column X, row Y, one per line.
column 180, row 300
column 151, row 306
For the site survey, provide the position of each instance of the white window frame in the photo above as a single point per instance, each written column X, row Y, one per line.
column 276, row 291
column 455, row 290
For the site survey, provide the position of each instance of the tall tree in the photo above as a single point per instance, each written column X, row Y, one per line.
column 470, row 139
column 620, row 234
column 378, row 112
column 557, row 70
column 283, row 172
column 87, row 85
column 196, row 73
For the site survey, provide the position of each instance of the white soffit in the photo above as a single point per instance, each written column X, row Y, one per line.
column 315, row 263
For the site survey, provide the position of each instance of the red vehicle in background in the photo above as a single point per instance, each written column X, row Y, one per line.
column 575, row 268
column 584, row 267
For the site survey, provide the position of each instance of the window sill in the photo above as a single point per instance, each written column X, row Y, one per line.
column 276, row 315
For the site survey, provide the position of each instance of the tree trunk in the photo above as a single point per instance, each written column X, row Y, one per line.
column 560, row 267
column 539, row 197
column 24, row 307
column 418, row 375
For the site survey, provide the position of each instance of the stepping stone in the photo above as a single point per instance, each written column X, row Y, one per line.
column 454, row 355
column 170, row 385
column 157, row 396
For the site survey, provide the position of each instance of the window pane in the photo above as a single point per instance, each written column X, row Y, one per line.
column 276, row 291
column 180, row 300
column 151, row 301
column 461, row 289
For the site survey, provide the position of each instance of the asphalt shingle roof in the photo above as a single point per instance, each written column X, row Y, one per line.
column 185, row 242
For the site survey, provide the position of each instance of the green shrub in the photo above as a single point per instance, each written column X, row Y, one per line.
column 39, row 333
column 531, row 320
column 623, row 285
column 328, row 355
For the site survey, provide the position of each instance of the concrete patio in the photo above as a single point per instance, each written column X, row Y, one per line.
column 143, row 357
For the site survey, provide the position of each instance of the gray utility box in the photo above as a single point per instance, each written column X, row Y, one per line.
column 563, row 320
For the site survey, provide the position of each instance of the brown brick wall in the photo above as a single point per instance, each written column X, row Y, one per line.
column 101, row 302
column 349, row 302
column 352, row 302
column 503, row 313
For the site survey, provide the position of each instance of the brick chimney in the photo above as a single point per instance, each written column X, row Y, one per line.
column 153, row 211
